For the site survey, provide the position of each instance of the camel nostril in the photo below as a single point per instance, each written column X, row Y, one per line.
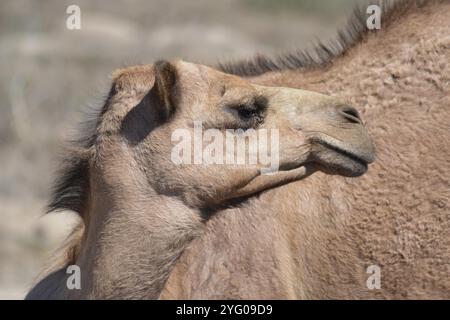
column 350, row 114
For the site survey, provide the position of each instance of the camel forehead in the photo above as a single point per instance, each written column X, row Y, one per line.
column 286, row 93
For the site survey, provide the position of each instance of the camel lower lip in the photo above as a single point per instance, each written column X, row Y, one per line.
column 345, row 153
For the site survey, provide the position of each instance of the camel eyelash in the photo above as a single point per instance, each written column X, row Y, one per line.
column 255, row 106
column 250, row 113
column 246, row 113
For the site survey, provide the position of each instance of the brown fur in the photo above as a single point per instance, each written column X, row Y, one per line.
column 315, row 238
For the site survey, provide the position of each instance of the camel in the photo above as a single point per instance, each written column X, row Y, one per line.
column 140, row 209
column 308, row 231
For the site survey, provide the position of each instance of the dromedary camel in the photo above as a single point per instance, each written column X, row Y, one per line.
column 311, row 238
column 140, row 209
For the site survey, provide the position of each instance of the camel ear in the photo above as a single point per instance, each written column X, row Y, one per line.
column 162, row 95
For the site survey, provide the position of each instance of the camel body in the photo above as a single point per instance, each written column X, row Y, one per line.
column 317, row 238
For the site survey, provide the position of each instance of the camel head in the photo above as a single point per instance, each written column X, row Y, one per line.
column 174, row 124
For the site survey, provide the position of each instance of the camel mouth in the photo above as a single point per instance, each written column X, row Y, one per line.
column 362, row 159
column 339, row 158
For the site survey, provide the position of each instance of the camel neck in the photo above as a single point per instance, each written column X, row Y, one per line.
column 130, row 246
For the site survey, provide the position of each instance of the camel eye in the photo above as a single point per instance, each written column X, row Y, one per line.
column 246, row 114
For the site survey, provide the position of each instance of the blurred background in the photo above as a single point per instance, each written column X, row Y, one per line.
column 50, row 75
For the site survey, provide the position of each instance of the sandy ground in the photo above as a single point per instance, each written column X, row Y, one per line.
column 51, row 75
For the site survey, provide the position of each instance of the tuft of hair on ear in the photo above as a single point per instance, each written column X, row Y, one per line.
column 163, row 92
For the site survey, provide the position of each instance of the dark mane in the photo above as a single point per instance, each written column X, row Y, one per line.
column 323, row 53
column 71, row 187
